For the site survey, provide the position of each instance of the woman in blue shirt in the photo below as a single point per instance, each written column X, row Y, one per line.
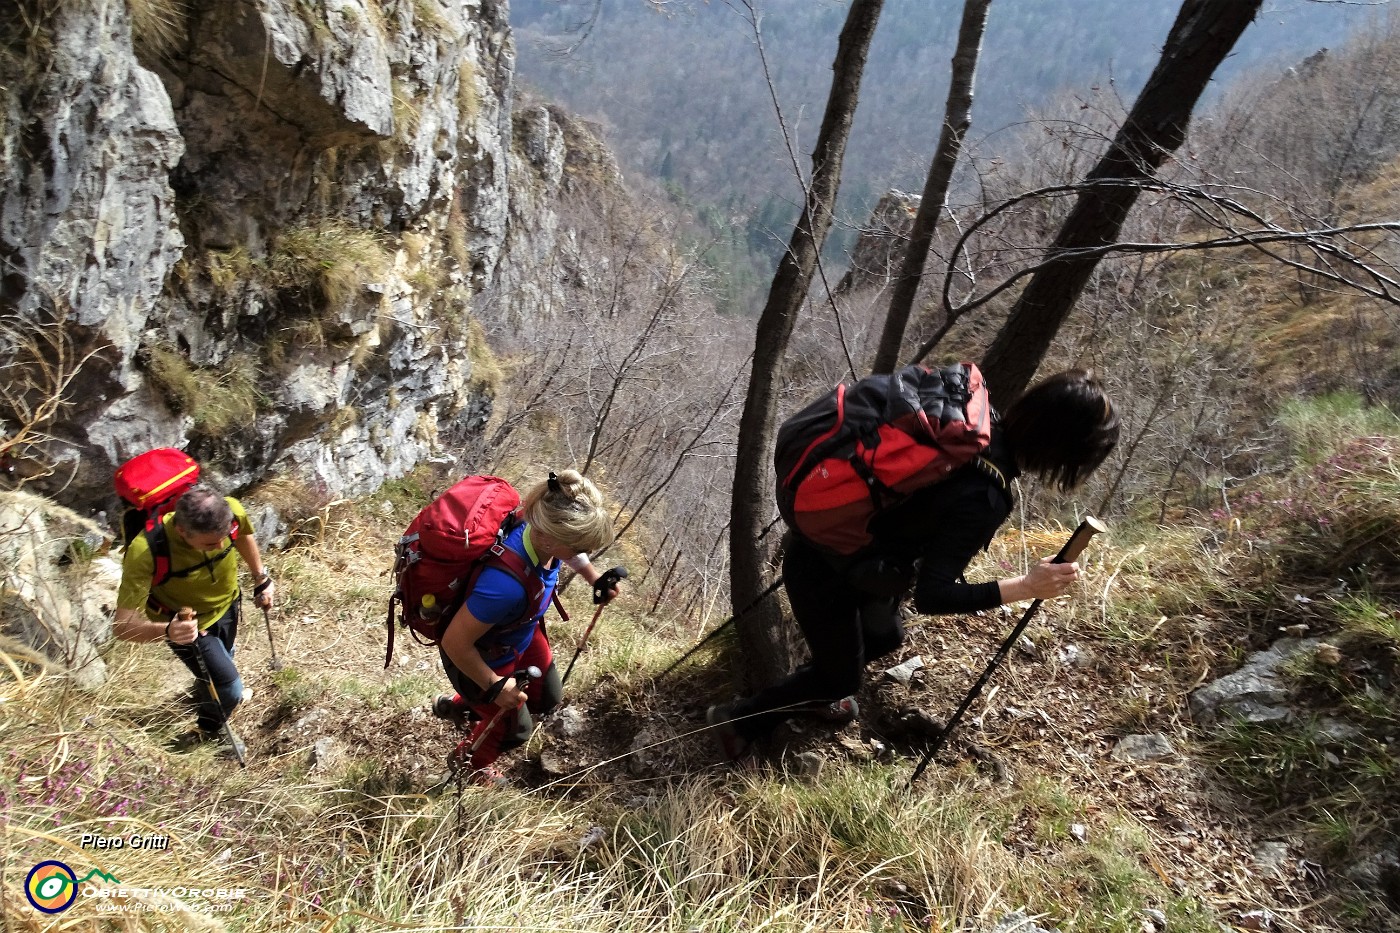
column 497, row 629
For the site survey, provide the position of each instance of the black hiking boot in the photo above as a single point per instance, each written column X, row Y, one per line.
column 233, row 747
column 452, row 709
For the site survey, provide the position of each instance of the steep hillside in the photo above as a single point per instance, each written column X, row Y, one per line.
column 1088, row 788
column 680, row 89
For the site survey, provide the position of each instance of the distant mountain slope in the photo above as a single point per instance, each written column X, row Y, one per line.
column 683, row 96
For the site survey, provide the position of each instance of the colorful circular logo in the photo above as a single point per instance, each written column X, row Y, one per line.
column 51, row 887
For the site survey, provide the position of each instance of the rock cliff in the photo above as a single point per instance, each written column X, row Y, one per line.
column 256, row 228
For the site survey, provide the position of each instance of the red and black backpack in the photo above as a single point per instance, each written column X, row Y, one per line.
column 150, row 484
column 862, row 448
column 446, row 547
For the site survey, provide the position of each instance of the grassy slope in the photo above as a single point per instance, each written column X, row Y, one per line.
column 1026, row 811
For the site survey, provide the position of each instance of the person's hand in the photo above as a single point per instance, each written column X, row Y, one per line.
column 510, row 697
column 1047, row 579
column 608, row 585
column 263, row 592
column 183, row 631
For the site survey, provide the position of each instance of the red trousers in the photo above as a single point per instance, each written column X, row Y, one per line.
column 512, row 729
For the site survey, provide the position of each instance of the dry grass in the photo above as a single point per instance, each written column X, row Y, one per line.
column 468, row 95
column 328, row 262
column 158, row 27
column 219, row 399
column 712, row 852
column 358, row 845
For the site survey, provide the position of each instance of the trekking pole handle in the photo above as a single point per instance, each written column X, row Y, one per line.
column 608, row 581
column 522, row 680
column 1078, row 541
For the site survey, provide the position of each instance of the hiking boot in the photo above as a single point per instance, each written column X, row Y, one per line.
column 451, row 708
column 732, row 745
column 840, row 712
column 191, row 740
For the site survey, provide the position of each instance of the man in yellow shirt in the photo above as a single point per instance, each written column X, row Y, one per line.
column 183, row 562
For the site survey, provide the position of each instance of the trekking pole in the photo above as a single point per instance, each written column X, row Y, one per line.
column 224, row 727
column 276, row 662
column 601, row 586
column 1077, row 542
column 464, row 750
column 721, row 627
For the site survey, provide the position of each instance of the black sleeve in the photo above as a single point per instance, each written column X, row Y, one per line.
column 958, row 527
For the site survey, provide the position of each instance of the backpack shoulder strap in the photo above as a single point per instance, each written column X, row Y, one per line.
column 515, row 565
column 158, row 542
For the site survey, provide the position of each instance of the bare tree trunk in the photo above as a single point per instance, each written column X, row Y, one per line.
column 765, row 656
column 957, row 118
column 1204, row 33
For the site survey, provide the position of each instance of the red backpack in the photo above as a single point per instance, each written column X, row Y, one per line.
column 445, row 548
column 150, row 484
column 861, row 448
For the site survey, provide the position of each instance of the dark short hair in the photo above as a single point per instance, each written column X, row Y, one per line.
column 1062, row 428
column 203, row 511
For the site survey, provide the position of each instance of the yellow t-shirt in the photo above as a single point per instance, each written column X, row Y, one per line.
column 209, row 591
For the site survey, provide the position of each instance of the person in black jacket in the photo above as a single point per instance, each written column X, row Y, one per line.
column 848, row 609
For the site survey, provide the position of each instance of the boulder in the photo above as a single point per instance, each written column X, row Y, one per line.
column 1254, row 693
column 59, row 608
column 1138, row 748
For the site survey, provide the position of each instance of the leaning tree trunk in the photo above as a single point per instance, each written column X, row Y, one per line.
column 957, row 118
column 1204, row 33
column 764, row 656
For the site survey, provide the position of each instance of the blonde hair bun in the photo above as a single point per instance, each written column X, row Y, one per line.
column 569, row 508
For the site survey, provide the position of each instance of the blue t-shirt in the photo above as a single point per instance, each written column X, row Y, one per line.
column 499, row 600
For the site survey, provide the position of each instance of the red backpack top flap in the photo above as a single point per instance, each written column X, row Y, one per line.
column 862, row 448
column 460, row 524
column 155, row 476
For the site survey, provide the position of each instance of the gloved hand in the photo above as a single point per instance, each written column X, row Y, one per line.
column 606, row 586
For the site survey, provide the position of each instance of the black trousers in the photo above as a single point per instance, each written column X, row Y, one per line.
column 844, row 627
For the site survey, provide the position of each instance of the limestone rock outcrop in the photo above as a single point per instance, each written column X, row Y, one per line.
column 257, row 232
